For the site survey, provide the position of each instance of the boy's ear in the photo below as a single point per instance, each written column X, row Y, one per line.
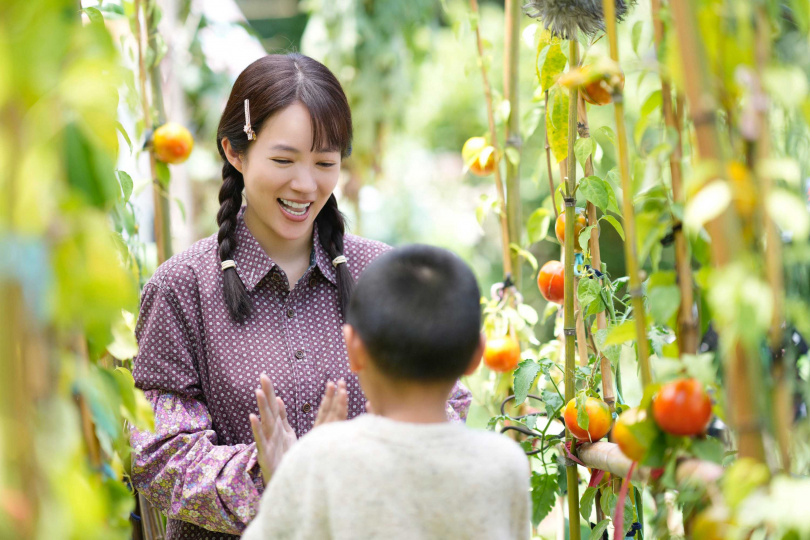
column 477, row 355
column 231, row 154
column 355, row 348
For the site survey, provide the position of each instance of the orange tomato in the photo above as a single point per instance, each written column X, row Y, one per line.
column 479, row 156
column 579, row 224
column 502, row 354
column 626, row 439
column 599, row 419
column 172, row 143
column 551, row 281
column 600, row 90
column 682, row 407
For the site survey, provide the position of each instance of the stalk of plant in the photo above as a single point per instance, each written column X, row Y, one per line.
column 512, row 131
column 506, row 250
column 608, row 392
column 568, row 308
column 723, row 230
column 687, row 325
column 159, row 196
column 782, row 406
column 630, row 249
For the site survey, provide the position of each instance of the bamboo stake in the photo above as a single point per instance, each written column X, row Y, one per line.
column 159, row 200
column 506, row 250
column 568, row 313
column 513, row 139
column 723, row 230
column 782, row 407
column 630, row 254
column 687, row 324
column 608, row 391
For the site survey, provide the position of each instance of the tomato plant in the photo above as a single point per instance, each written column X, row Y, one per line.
column 551, row 280
column 588, row 422
column 580, row 223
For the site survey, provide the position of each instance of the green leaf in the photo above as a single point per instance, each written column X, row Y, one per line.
column 597, row 306
column 528, row 313
column 616, row 225
column 664, row 303
column 544, row 495
column 583, row 149
column 616, row 335
column 503, row 111
column 553, row 403
column 607, row 133
column 638, row 27
column 557, row 122
column 595, row 190
column 790, row 213
column 525, row 375
column 587, row 291
column 585, row 236
column 652, row 103
column 553, row 66
column 537, row 227
column 126, row 184
column 94, row 15
column 163, row 174
column 582, row 413
column 531, row 259
column 708, row 450
column 710, row 202
column 601, row 527
column 124, row 134
column 586, row 503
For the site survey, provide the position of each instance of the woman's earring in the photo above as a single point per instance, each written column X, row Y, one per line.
column 251, row 135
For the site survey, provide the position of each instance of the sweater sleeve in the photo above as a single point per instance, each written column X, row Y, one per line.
column 180, row 468
column 459, row 403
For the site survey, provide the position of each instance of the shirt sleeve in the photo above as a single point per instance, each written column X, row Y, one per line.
column 459, row 403
column 180, row 468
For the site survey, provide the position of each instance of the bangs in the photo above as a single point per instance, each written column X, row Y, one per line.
column 331, row 119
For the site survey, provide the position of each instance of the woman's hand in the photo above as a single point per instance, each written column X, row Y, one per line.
column 335, row 404
column 272, row 433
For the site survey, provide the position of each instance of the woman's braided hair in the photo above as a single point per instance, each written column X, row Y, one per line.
column 271, row 84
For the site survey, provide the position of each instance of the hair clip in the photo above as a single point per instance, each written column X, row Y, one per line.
column 248, row 129
column 340, row 259
column 228, row 264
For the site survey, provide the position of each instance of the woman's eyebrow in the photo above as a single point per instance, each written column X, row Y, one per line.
column 285, row 148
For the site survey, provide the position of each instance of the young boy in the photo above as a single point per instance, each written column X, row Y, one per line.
column 404, row 471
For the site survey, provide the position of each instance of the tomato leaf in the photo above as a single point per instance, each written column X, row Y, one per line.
column 531, row 259
column 625, row 331
column 586, row 503
column 528, row 313
column 582, row 412
column 616, row 225
column 708, row 450
column 552, row 66
column 601, row 527
column 595, row 190
column 664, row 303
column 553, row 403
column 557, row 122
column 587, row 291
column 583, row 149
column 544, row 495
column 585, row 236
column 126, row 184
column 525, row 376
column 537, row 227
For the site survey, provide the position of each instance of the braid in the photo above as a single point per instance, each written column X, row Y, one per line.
column 331, row 228
column 230, row 200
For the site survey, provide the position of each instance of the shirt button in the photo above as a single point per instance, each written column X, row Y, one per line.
column 306, row 408
column 299, row 354
column 313, row 282
column 276, row 277
column 290, row 313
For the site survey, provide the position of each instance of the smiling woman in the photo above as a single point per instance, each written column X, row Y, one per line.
column 266, row 294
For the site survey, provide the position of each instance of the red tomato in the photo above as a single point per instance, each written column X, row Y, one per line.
column 626, row 439
column 599, row 419
column 682, row 407
column 580, row 223
column 173, row 143
column 551, row 281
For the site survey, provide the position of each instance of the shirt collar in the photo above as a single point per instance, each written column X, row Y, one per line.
column 252, row 263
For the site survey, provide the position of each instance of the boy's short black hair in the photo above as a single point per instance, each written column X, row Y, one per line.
column 417, row 310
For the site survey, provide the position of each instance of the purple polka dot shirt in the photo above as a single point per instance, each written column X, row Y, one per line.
column 200, row 370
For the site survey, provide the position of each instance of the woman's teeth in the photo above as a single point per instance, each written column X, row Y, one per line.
column 296, row 209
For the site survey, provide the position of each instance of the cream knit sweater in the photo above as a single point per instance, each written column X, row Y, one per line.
column 376, row 478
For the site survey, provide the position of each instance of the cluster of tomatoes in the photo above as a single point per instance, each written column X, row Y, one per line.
column 681, row 407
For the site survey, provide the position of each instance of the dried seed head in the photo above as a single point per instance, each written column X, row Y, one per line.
column 564, row 17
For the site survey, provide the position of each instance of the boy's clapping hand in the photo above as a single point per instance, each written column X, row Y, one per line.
column 272, row 431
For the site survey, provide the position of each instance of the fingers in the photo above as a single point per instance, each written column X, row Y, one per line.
column 369, row 408
column 341, row 402
column 269, row 391
column 266, row 415
column 326, row 404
